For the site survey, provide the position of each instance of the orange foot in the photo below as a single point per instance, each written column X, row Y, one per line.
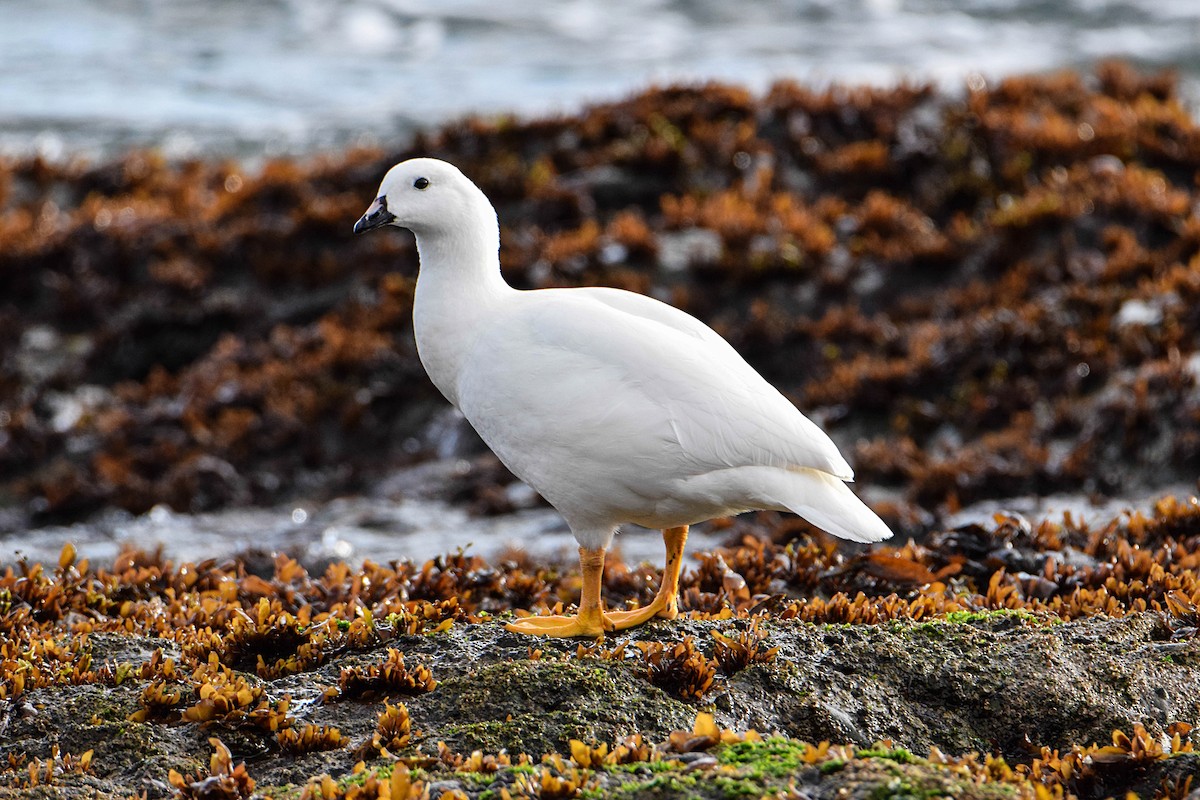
column 582, row 624
column 591, row 620
column 638, row 616
column 666, row 602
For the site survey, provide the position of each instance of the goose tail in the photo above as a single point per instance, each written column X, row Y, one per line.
column 825, row 501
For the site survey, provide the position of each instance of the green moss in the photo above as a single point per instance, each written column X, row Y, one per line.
column 667, row 779
column 106, row 712
column 940, row 627
column 477, row 780
column 899, row 755
column 900, row 789
column 968, row 617
column 910, row 778
column 673, row 782
column 774, row 757
column 732, row 788
column 933, row 630
column 490, row 737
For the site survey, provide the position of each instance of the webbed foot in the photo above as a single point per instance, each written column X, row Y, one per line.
column 583, row 624
column 666, row 602
column 638, row 616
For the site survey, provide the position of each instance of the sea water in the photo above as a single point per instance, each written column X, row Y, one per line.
column 272, row 76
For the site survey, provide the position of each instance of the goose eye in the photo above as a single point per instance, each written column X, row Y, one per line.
column 421, row 183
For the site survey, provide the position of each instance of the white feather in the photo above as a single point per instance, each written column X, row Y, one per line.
column 614, row 406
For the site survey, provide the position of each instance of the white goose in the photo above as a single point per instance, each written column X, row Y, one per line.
column 615, row 407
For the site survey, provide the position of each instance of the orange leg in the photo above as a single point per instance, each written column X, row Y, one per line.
column 590, row 620
column 666, row 602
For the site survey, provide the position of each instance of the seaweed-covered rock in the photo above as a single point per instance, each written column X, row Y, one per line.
column 980, row 294
column 943, row 670
column 998, row 683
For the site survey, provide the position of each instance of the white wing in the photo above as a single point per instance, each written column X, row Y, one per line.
column 720, row 396
column 683, row 399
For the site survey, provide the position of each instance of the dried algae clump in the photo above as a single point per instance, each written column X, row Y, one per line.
column 28, row 774
column 678, row 669
column 393, row 730
column 398, row 785
column 223, row 781
column 309, row 739
column 390, row 677
column 735, row 653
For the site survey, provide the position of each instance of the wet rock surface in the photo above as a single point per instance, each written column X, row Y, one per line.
column 939, row 666
column 1001, row 683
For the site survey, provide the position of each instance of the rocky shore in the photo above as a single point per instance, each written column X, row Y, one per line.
column 983, row 295
column 1011, row 660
